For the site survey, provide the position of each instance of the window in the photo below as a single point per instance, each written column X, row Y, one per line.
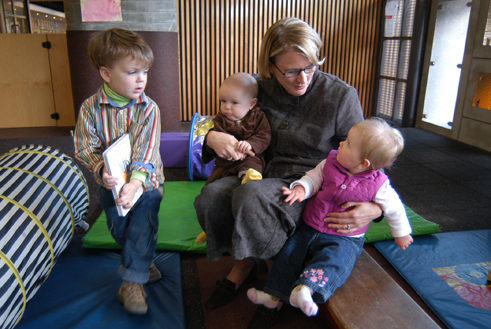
column 15, row 15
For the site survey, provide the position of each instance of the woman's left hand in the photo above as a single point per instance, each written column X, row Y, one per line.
column 351, row 220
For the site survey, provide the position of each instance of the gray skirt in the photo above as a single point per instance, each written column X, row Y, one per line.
column 249, row 220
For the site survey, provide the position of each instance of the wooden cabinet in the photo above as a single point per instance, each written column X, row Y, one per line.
column 471, row 120
column 475, row 128
column 35, row 86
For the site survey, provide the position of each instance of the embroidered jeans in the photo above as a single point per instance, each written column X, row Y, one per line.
column 330, row 261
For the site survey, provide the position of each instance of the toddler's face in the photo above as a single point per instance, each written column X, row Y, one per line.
column 235, row 102
column 349, row 155
column 127, row 77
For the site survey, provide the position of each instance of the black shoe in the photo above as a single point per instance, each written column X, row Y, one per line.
column 264, row 318
column 226, row 292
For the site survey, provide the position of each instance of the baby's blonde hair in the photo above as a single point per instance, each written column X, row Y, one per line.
column 285, row 34
column 381, row 142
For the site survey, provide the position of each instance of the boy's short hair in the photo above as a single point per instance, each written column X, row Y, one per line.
column 285, row 34
column 245, row 81
column 381, row 142
column 107, row 47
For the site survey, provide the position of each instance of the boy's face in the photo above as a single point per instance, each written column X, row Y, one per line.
column 349, row 155
column 235, row 102
column 126, row 77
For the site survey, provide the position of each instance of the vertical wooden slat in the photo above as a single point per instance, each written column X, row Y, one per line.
column 206, row 26
column 221, row 37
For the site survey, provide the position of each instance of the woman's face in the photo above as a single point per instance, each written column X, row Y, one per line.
column 288, row 61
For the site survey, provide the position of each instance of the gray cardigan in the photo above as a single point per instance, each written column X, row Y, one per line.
column 306, row 128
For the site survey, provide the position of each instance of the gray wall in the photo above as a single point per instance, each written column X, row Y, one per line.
column 156, row 22
column 138, row 15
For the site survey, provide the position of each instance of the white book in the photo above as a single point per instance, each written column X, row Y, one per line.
column 117, row 159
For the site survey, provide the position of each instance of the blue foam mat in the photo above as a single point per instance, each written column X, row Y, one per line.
column 449, row 272
column 81, row 293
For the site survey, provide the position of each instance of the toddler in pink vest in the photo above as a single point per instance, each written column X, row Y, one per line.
column 351, row 173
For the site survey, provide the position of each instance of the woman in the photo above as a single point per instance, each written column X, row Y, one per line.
column 309, row 112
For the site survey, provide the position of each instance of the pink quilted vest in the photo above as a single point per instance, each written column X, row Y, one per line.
column 340, row 186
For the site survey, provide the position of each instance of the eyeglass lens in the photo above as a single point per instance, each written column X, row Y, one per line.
column 294, row 73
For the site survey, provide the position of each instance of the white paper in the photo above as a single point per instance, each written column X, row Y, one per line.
column 117, row 159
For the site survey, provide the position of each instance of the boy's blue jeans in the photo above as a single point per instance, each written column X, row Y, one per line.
column 332, row 258
column 136, row 233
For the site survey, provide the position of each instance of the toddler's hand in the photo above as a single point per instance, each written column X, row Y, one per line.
column 109, row 181
column 127, row 193
column 295, row 194
column 404, row 241
column 245, row 147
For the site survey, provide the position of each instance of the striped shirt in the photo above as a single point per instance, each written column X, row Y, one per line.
column 101, row 122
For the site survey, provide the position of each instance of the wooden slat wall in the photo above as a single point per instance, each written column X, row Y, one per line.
column 221, row 37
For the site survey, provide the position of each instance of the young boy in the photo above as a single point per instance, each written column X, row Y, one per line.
column 120, row 106
column 241, row 116
column 349, row 174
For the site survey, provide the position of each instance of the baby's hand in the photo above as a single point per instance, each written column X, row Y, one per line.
column 109, row 181
column 245, row 147
column 127, row 193
column 241, row 155
column 404, row 241
column 295, row 194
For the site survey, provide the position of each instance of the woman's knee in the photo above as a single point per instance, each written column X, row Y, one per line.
column 253, row 194
column 215, row 193
column 206, row 197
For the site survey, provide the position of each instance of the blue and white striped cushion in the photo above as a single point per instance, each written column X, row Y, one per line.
column 43, row 198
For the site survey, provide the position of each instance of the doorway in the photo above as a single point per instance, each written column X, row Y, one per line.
column 447, row 53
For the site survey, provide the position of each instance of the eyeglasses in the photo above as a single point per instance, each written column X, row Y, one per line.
column 295, row 73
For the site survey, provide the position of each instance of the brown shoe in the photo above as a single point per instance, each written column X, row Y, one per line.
column 132, row 295
column 154, row 274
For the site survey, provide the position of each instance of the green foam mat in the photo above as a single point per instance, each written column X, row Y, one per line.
column 420, row 226
column 179, row 227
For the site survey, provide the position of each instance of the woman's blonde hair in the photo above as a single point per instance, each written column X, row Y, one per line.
column 286, row 34
column 107, row 47
column 381, row 142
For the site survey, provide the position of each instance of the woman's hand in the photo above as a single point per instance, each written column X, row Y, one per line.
column 224, row 145
column 349, row 221
column 127, row 193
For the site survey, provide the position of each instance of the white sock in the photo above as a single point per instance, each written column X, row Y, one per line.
column 301, row 297
column 262, row 298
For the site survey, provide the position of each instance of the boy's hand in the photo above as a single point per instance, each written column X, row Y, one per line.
column 127, row 193
column 245, row 147
column 109, row 181
column 295, row 194
column 404, row 241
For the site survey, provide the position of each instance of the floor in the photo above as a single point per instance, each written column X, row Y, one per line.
column 443, row 180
